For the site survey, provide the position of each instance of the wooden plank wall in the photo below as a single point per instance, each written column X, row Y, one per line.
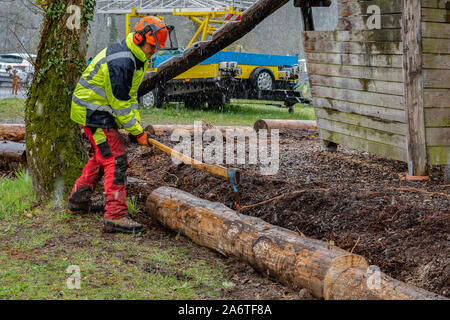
column 436, row 64
column 356, row 77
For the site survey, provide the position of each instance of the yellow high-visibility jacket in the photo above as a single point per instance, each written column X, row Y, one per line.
column 106, row 95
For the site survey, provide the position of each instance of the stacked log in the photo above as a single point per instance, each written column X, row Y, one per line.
column 12, row 132
column 270, row 124
column 168, row 129
column 13, row 151
column 326, row 271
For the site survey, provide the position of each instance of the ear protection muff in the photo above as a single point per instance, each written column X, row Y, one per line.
column 140, row 36
column 150, row 29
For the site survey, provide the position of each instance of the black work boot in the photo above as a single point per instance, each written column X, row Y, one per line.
column 80, row 202
column 125, row 225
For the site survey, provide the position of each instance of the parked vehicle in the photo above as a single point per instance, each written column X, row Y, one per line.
column 19, row 61
column 229, row 75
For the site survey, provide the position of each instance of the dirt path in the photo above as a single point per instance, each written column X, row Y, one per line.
column 361, row 202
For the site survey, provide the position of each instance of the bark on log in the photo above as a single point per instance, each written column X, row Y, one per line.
column 168, row 129
column 12, row 132
column 326, row 271
column 201, row 51
column 269, row 124
column 12, row 151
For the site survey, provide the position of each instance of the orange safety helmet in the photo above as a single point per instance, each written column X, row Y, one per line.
column 152, row 30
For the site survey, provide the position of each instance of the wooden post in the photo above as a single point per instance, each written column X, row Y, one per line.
column 413, row 79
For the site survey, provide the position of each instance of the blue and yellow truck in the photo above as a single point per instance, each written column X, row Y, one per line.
column 224, row 76
column 229, row 75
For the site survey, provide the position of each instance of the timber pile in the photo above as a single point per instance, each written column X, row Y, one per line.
column 12, row 132
column 13, row 151
column 221, row 39
column 326, row 271
column 270, row 124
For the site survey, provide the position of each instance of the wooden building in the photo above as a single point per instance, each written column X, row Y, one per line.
column 381, row 81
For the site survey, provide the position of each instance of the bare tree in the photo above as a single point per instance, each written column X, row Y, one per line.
column 23, row 18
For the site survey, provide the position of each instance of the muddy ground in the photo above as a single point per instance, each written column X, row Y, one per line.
column 361, row 202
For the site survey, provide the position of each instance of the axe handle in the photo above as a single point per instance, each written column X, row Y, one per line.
column 215, row 170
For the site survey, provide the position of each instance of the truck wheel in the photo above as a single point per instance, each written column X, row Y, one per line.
column 153, row 99
column 262, row 79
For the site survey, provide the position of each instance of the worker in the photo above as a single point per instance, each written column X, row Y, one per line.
column 104, row 100
column 88, row 62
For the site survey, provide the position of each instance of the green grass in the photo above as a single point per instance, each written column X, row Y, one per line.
column 133, row 206
column 239, row 112
column 16, row 194
column 38, row 244
column 12, row 110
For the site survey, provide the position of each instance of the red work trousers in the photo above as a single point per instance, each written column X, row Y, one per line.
column 110, row 160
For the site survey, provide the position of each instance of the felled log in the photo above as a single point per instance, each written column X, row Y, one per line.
column 12, row 132
column 300, row 262
column 221, row 39
column 168, row 129
column 270, row 124
column 12, row 151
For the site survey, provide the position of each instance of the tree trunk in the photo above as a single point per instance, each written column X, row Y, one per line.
column 297, row 261
column 55, row 153
column 12, row 132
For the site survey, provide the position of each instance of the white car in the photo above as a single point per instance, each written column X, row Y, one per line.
column 20, row 62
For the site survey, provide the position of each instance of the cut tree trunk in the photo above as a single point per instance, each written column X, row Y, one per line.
column 12, row 151
column 270, row 124
column 12, row 132
column 300, row 262
column 55, row 152
column 221, row 39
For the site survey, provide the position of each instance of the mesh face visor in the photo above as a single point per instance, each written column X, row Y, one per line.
column 172, row 37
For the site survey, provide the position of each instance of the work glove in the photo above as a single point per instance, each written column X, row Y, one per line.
column 142, row 139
